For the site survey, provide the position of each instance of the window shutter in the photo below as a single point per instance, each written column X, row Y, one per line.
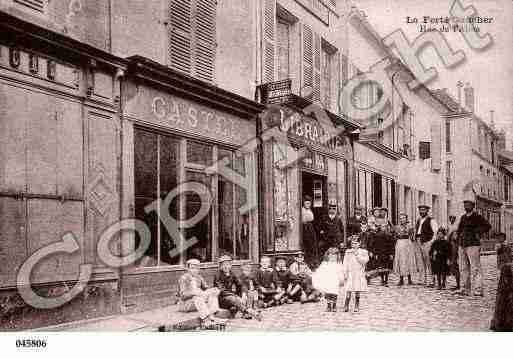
column 205, row 47
column 317, row 67
column 36, row 5
column 269, row 38
column 307, row 60
column 436, row 151
column 180, row 36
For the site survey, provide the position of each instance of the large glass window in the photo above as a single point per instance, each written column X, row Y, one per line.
column 163, row 162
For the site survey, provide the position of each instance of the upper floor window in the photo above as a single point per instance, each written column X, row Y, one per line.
column 192, row 37
column 283, row 30
column 447, row 136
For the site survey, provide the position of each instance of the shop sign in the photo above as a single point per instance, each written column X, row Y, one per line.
column 199, row 119
column 308, row 130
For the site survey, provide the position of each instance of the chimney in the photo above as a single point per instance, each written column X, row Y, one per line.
column 469, row 98
column 459, row 85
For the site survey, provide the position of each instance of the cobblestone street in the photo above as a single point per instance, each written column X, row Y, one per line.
column 410, row 308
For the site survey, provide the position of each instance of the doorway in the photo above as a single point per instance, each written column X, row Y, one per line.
column 314, row 186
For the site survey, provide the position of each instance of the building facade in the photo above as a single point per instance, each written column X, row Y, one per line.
column 472, row 147
column 402, row 151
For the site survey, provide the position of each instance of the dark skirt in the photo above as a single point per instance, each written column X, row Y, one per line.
column 503, row 317
column 440, row 266
column 310, row 245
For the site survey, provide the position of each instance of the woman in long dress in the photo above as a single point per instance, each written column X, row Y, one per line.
column 404, row 259
column 310, row 244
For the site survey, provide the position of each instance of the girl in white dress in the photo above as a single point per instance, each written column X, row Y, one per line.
column 353, row 271
column 328, row 278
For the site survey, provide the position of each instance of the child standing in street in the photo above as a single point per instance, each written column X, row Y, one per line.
column 328, row 278
column 353, row 272
column 440, row 254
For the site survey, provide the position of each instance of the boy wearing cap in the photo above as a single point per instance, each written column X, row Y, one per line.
column 305, row 275
column 194, row 294
column 229, row 286
column 249, row 287
column 282, row 281
column 267, row 284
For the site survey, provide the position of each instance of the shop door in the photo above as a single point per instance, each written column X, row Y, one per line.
column 315, row 186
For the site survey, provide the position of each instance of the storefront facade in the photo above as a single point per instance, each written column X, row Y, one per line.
column 182, row 168
column 59, row 173
column 305, row 158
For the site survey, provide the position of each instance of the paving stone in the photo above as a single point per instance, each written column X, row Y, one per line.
column 407, row 308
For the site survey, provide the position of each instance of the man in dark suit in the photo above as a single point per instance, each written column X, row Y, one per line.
column 354, row 224
column 471, row 228
column 332, row 231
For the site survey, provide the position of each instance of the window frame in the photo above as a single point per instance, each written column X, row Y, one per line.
column 183, row 167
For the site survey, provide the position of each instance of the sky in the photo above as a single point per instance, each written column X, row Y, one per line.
column 490, row 72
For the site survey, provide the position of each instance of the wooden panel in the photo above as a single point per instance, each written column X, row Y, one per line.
column 103, row 84
column 42, row 144
column 70, row 150
column 341, row 188
column 13, row 246
column 294, row 204
column 48, row 221
column 13, row 117
column 102, row 181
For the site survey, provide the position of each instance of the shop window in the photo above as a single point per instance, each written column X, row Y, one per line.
column 199, row 153
column 157, row 168
column 155, row 174
column 202, row 230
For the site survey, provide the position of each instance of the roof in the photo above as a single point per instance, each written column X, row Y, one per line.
column 447, row 100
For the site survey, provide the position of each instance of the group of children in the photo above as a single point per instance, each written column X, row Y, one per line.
column 268, row 287
column 283, row 284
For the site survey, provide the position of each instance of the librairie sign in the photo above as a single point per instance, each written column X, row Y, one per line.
column 307, row 129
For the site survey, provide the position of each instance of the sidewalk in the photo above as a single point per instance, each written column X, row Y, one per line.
column 147, row 321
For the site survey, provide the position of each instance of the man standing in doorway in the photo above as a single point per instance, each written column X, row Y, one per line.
column 425, row 230
column 471, row 228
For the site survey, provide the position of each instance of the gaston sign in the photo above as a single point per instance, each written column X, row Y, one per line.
column 169, row 111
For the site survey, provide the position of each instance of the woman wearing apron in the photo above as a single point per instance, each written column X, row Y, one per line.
column 404, row 259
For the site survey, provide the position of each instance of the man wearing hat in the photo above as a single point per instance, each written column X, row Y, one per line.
column 229, row 287
column 354, row 224
column 425, row 230
column 194, row 294
column 471, row 228
column 332, row 231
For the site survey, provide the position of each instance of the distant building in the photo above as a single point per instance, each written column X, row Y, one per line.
column 472, row 156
